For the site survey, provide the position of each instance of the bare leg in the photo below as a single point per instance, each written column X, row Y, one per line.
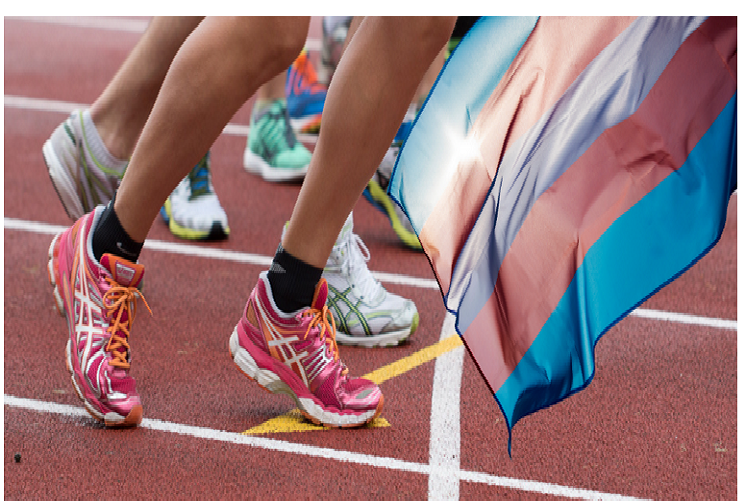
column 354, row 25
column 220, row 65
column 274, row 89
column 121, row 110
column 381, row 52
column 428, row 81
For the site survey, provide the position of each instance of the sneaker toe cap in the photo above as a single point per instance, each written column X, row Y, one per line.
column 297, row 158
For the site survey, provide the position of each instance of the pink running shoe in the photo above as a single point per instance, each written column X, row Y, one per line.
column 99, row 300
column 297, row 355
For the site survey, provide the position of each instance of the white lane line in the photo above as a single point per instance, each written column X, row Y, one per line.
column 445, row 420
column 324, row 453
column 65, row 107
column 385, row 277
column 202, row 251
column 103, row 23
column 116, row 24
column 688, row 319
column 44, row 105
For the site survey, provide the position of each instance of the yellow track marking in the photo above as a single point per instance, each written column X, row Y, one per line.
column 414, row 360
column 293, row 420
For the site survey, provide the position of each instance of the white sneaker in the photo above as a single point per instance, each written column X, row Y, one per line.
column 364, row 312
column 82, row 180
column 193, row 210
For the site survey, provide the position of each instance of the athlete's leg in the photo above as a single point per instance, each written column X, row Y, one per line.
column 87, row 154
column 374, row 84
column 121, row 110
column 220, row 65
column 274, row 89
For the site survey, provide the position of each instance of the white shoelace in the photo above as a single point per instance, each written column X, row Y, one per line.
column 356, row 260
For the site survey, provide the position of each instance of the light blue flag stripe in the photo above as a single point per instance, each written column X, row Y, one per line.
column 629, row 262
column 464, row 85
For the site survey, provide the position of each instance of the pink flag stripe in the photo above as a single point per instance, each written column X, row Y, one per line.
column 620, row 168
column 540, row 74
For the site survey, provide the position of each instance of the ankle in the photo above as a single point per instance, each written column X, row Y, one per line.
column 293, row 282
column 110, row 237
column 106, row 146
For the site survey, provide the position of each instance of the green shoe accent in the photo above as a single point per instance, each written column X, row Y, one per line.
column 380, row 196
column 272, row 149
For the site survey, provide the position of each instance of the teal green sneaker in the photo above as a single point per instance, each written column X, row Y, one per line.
column 272, row 150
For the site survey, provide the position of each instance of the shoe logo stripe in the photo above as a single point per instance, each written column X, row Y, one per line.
column 319, row 362
column 279, row 345
column 85, row 307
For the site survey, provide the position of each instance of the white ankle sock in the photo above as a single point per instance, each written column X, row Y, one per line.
column 97, row 148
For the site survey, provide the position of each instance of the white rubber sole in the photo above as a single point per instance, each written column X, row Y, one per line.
column 255, row 164
column 62, row 182
column 374, row 341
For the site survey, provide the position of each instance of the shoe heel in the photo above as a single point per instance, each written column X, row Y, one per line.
column 62, row 181
column 266, row 379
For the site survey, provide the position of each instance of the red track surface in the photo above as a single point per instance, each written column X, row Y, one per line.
column 658, row 421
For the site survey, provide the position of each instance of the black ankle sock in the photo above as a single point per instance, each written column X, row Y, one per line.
column 110, row 237
column 293, row 281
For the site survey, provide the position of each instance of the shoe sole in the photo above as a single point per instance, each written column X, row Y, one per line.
column 62, row 182
column 311, row 409
column 378, row 198
column 216, row 232
column 111, row 419
column 307, row 125
column 387, row 340
column 258, row 166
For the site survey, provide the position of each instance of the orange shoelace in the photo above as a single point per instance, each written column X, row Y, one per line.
column 328, row 333
column 121, row 299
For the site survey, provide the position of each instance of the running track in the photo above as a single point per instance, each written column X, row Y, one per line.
column 658, row 421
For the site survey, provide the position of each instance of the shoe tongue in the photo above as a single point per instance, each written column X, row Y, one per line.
column 319, row 296
column 343, row 244
column 344, row 234
column 123, row 271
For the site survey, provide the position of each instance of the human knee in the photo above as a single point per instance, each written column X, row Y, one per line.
column 285, row 40
column 265, row 44
column 439, row 29
column 431, row 32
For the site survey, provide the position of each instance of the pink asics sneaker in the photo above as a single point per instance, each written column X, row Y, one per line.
column 297, row 355
column 99, row 301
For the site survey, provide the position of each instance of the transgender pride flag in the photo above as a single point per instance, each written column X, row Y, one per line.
column 561, row 172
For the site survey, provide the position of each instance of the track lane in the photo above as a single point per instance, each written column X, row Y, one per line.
column 618, row 437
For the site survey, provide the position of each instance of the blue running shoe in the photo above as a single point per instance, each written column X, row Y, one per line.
column 305, row 96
